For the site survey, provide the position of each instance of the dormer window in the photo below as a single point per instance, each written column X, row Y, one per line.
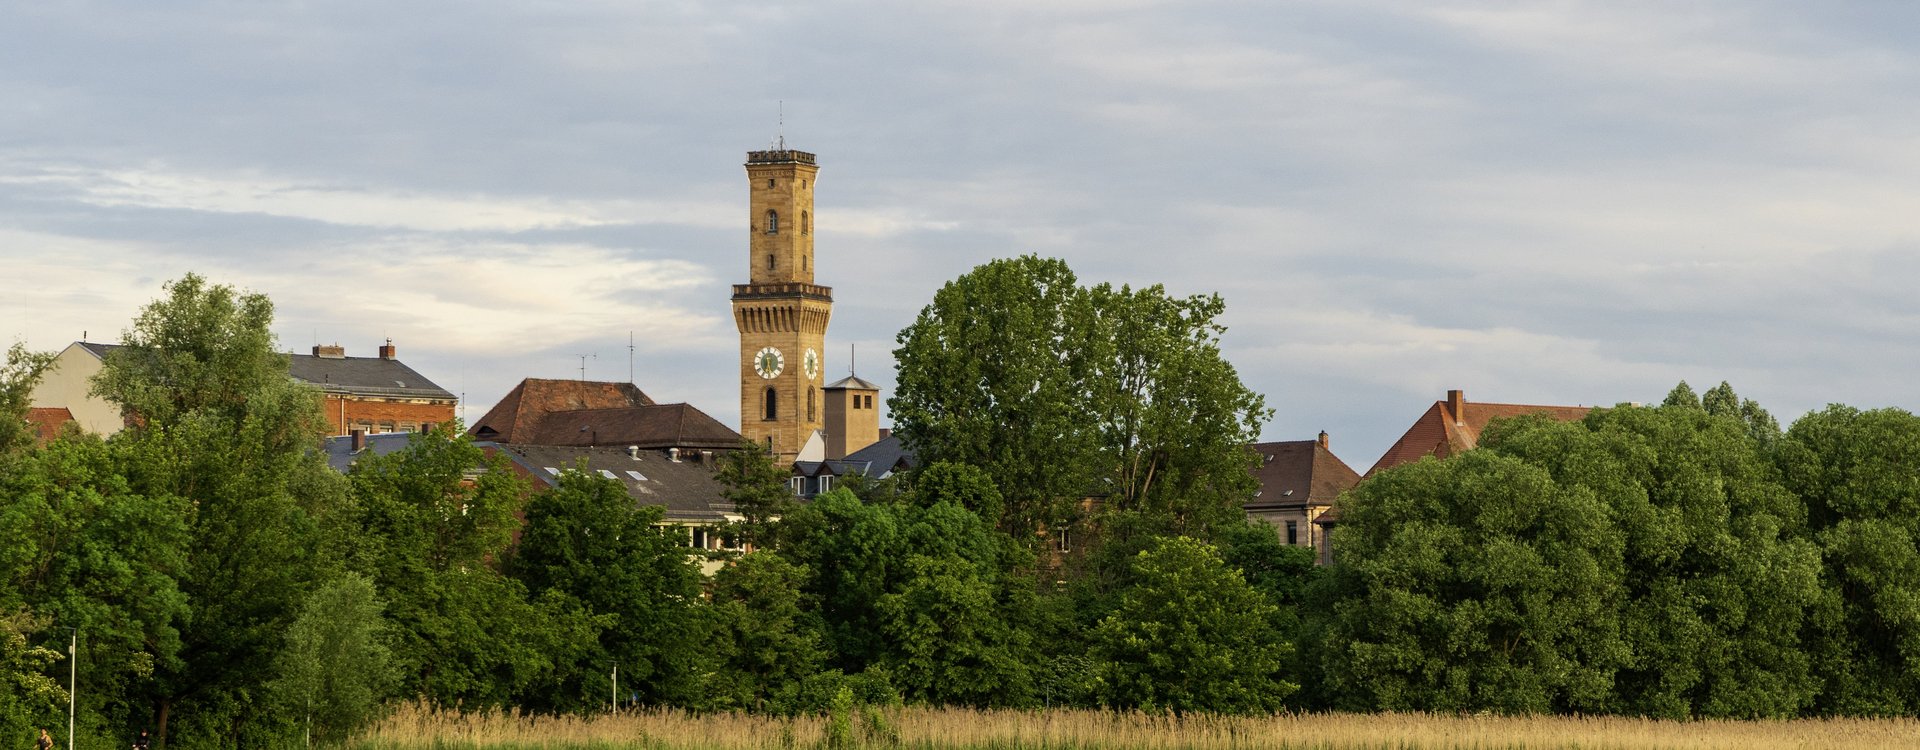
column 773, row 222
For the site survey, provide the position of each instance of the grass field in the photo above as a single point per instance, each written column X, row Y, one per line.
column 939, row 729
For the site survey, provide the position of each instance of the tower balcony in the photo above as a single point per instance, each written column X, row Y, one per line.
column 780, row 156
column 784, row 289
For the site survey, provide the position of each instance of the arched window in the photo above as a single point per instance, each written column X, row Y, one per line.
column 809, row 403
column 773, row 222
column 773, row 405
column 806, row 222
column 769, row 262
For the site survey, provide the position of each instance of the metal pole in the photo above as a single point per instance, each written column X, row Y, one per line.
column 616, row 689
column 73, row 679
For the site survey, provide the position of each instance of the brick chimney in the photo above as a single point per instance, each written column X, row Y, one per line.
column 1323, row 440
column 1457, row 403
column 359, row 440
column 386, row 350
column 335, row 351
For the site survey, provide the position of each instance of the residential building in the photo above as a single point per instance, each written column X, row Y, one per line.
column 370, row 394
column 1455, row 424
column 1299, row 480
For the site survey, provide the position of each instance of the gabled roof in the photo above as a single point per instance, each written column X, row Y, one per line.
column 1454, row 424
column 519, row 412
column 1299, row 473
column 687, row 490
column 852, row 382
column 654, row 426
column 357, row 376
column 46, row 420
column 884, row 457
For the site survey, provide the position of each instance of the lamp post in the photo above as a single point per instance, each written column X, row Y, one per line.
column 73, row 678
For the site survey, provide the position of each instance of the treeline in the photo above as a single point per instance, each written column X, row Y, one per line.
column 1074, row 538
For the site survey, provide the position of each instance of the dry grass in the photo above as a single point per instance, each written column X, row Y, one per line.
column 943, row 729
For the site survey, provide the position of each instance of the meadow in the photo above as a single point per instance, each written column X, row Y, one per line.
column 962, row 729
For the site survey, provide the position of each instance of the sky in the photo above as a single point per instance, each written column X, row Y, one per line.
column 1552, row 203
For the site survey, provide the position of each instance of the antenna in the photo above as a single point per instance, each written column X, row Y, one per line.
column 782, row 124
column 583, row 364
column 629, row 356
column 852, row 350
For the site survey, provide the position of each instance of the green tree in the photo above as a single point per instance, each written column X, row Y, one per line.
column 334, row 671
column 1475, row 583
column 28, row 698
column 18, row 377
column 1061, row 392
column 1189, row 635
column 769, row 643
column 428, row 526
column 588, row 545
column 1856, row 470
column 758, row 489
column 1718, row 574
column 216, row 421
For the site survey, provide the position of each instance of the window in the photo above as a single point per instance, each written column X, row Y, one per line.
column 826, row 482
column 773, row 221
column 798, row 484
column 1063, row 541
column 803, row 184
column 769, row 183
column 772, row 410
column 607, row 474
column 409, row 427
column 806, row 222
column 386, row 427
column 809, row 403
column 868, row 400
column 1293, row 532
column 699, row 538
column 769, row 262
column 637, row 476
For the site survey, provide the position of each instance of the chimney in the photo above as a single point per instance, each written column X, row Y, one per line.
column 386, row 350
column 1457, row 403
column 1323, row 440
column 359, row 439
column 633, row 452
column 335, row 351
column 673, row 454
column 706, row 457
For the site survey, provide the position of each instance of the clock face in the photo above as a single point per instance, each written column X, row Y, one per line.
column 769, row 362
column 811, row 363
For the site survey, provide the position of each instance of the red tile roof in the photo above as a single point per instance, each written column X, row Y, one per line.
column 1441, row 433
column 522, row 409
column 46, row 421
column 1299, row 472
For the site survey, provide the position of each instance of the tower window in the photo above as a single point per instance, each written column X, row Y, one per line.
column 809, row 403
column 772, row 410
column 806, row 222
column 769, row 262
column 769, row 183
column 773, row 221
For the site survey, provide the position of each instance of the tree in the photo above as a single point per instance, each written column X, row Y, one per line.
column 334, row 670
column 588, row 546
column 429, row 525
column 1061, row 392
column 1475, row 583
column 28, row 698
column 1718, row 574
column 1856, row 472
column 770, row 644
column 216, row 421
column 758, row 489
column 18, row 377
column 1189, row 635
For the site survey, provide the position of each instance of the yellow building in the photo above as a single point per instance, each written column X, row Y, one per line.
column 781, row 314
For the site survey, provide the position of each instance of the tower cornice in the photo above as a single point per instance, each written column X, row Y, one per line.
column 783, row 289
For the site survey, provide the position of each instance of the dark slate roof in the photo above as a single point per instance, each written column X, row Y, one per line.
column 365, row 376
column 877, row 460
column 687, row 489
column 852, row 381
column 1298, row 473
column 520, row 411
column 357, row 376
column 656, row 426
column 340, row 453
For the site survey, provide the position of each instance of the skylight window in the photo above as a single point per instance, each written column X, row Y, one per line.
column 637, row 476
column 551, row 470
column 607, row 474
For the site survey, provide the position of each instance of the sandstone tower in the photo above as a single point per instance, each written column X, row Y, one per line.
column 782, row 315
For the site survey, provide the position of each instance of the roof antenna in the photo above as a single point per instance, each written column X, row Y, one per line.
column 583, row 365
column 629, row 356
column 781, row 131
column 852, row 351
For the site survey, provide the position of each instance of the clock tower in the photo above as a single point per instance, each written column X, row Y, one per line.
column 782, row 315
